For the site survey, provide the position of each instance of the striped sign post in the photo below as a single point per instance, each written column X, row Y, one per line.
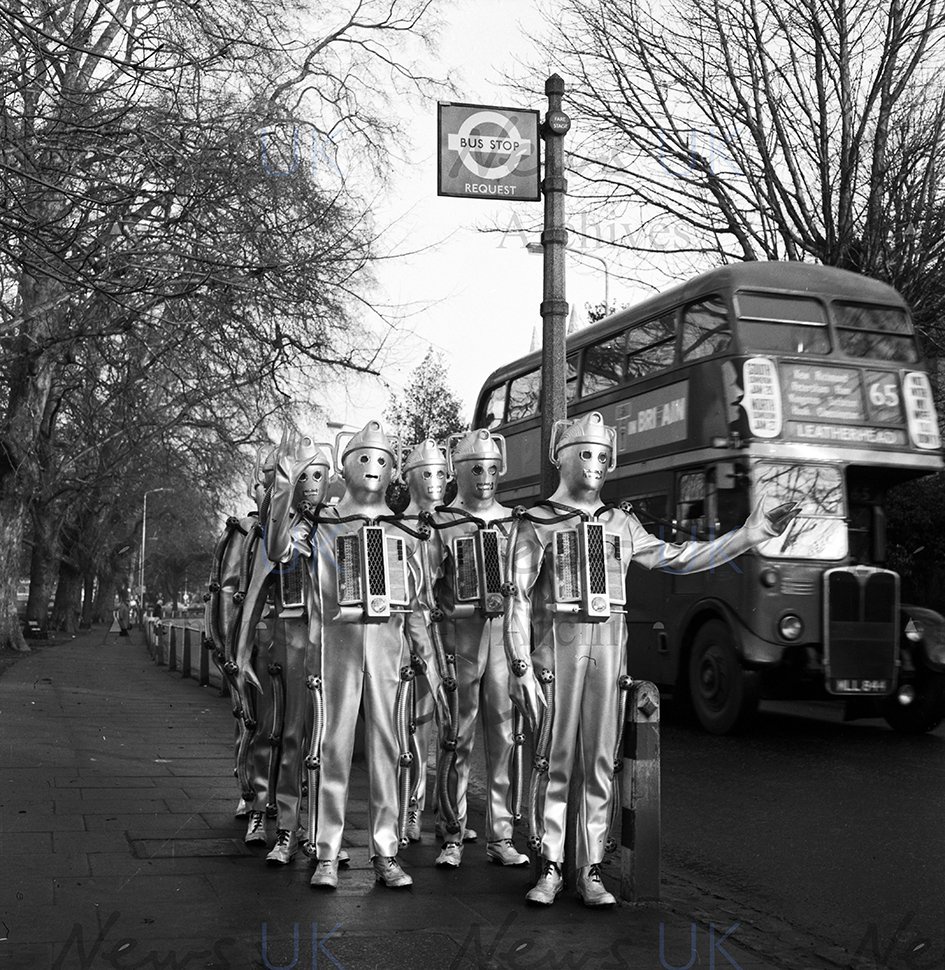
column 640, row 817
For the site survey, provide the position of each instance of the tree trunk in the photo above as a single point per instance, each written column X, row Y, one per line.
column 88, row 593
column 65, row 613
column 105, row 596
column 12, row 520
column 29, row 380
column 43, row 566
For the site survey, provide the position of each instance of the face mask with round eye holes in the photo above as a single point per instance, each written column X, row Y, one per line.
column 602, row 455
column 369, row 467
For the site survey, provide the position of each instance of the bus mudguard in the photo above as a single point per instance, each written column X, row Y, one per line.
column 924, row 634
column 751, row 649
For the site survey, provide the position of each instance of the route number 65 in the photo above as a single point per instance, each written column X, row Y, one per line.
column 884, row 394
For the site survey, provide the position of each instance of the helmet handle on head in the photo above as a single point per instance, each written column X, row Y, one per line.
column 327, row 452
column 497, row 438
column 259, row 472
column 558, row 429
column 344, row 437
column 404, row 466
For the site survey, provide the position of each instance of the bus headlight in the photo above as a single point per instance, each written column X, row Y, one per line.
column 790, row 626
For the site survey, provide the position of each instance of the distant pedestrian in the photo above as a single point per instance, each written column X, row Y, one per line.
column 124, row 617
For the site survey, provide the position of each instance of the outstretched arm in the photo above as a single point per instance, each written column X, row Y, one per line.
column 696, row 556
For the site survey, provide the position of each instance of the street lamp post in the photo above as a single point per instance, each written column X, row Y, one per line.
column 144, row 536
column 536, row 247
column 603, row 263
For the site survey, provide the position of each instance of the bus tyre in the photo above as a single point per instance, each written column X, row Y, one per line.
column 925, row 712
column 724, row 695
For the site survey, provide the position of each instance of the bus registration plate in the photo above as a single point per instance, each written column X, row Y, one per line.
column 844, row 686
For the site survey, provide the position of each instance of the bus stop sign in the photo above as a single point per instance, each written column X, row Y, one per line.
column 487, row 153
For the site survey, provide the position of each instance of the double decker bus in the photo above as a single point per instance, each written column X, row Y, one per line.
column 781, row 382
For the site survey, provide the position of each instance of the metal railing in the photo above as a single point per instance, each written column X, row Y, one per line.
column 177, row 643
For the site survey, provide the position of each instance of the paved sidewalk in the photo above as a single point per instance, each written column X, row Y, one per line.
column 118, row 849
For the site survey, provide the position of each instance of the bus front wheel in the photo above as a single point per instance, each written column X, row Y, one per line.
column 925, row 711
column 724, row 695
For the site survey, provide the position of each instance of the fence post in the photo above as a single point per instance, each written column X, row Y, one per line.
column 206, row 647
column 172, row 648
column 640, row 817
column 187, row 653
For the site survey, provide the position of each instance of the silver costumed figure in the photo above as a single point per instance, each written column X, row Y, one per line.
column 566, row 636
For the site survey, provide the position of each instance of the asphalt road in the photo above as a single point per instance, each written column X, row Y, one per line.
column 838, row 828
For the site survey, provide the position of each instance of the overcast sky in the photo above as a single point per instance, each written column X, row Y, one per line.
column 475, row 295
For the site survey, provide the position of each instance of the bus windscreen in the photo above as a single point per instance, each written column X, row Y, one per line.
column 820, row 531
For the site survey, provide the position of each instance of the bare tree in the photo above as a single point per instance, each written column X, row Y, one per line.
column 721, row 130
column 143, row 215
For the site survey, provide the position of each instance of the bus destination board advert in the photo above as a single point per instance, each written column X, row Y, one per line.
column 655, row 418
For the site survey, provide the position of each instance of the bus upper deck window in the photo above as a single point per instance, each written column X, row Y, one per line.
column 524, row 396
column 650, row 359
column 651, row 347
column 706, row 328
column 875, row 332
column 783, row 324
column 494, row 411
column 603, row 365
column 571, row 378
